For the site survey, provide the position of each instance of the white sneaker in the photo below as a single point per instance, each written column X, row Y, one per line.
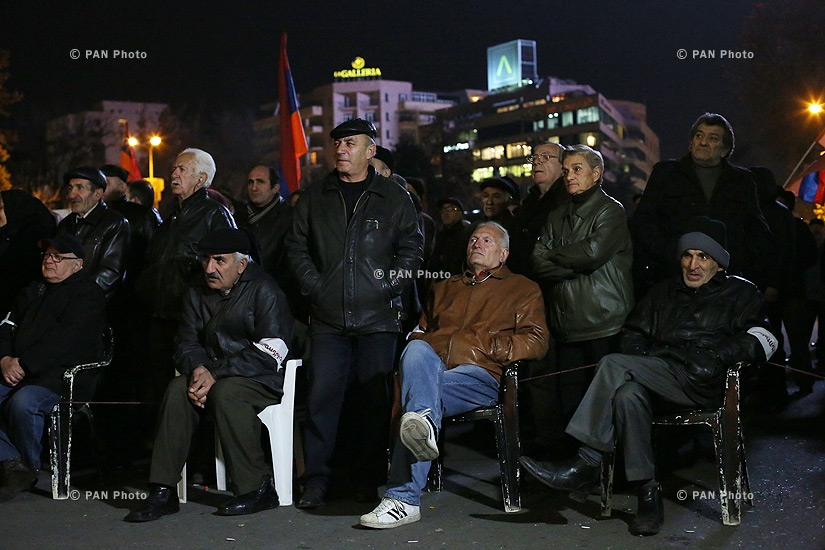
column 391, row 513
column 418, row 435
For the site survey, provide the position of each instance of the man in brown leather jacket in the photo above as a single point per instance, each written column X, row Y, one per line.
column 474, row 326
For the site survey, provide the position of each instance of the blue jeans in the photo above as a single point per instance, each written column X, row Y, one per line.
column 23, row 411
column 427, row 384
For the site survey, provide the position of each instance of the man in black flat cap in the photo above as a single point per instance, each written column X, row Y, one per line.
column 676, row 347
column 383, row 161
column 450, row 247
column 496, row 196
column 57, row 323
column 105, row 234
column 231, row 352
column 354, row 239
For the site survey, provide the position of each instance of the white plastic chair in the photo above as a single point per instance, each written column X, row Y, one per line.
column 278, row 420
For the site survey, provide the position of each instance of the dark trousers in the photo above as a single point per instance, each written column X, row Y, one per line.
column 161, row 366
column 800, row 316
column 367, row 360
column 571, row 386
column 619, row 407
column 235, row 403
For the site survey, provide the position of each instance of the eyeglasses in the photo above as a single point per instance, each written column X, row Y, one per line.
column 57, row 258
column 538, row 159
column 446, row 209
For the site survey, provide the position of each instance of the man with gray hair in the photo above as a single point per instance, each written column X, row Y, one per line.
column 676, row 347
column 474, row 326
column 173, row 259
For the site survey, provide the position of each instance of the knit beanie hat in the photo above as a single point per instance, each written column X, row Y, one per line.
column 707, row 235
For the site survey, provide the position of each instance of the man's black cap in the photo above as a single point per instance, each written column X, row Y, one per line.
column 384, row 155
column 225, row 241
column 505, row 184
column 65, row 243
column 450, row 200
column 115, row 171
column 86, row 173
column 352, row 127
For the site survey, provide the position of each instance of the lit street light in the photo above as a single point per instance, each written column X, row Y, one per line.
column 815, row 108
column 154, row 141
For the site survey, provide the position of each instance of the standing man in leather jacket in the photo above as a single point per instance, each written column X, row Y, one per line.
column 704, row 183
column 173, row 260
column 231, row 352
column 583, row 263
column 676, row 347
column 354, row 238
column 105, row 233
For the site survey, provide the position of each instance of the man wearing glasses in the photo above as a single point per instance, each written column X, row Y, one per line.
column 56, row 324
column 548, row 192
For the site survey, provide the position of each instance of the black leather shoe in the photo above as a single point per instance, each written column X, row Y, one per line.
column 574, row 475
column 650, row 513
column 17, row 476
column 162, row 501
column 312, row 498
column 265, row 498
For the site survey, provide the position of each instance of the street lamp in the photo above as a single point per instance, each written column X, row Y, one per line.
column 815, row 108
column 154, row 141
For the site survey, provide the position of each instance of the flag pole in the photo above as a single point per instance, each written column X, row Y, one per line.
column 798, row 164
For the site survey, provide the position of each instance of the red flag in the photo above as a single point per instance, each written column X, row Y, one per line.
column 127, row 157
column 293, row 139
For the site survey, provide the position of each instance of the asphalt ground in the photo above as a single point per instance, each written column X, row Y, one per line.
column 786, row 460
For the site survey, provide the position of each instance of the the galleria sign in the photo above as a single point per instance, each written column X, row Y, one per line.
column 358, row 70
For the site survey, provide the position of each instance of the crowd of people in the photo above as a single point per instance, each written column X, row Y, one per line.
column 611, row 317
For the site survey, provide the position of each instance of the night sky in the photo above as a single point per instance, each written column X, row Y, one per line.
column 225, row 54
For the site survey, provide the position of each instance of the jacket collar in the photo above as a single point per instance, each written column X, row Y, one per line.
column 715, row 282
column 94, row 215
column 502, row 272
column 375, row 182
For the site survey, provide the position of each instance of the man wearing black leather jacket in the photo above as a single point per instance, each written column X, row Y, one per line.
column 676, row 347
column 105, row 233
column 354, row 238
column 173, row 259
column 231, row 353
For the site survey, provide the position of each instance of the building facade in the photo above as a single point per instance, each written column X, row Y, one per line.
column 495, row 135
column 95, row 137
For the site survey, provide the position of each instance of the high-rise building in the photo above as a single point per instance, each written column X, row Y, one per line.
column 500, row 131
column 95, row 137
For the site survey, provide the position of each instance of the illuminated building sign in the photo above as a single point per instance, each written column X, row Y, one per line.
column 511, row 64
column 358, row 70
